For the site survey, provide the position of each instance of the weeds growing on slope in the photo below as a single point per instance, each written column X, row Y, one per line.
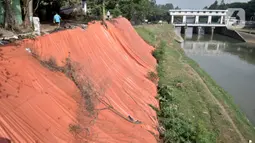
column 152, row 76
column 177, row 123
column 177, row 128
column 85, row 86
column 75, row 129
column 191, row 108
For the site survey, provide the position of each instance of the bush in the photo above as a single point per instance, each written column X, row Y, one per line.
column 178, row 129
column 152, row 76
column 160, row 51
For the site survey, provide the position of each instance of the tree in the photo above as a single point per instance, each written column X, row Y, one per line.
column 214, row 5
column 169, row 6
column 25, row 7
column 248, row 7
column 177, row 7
column 222, row 5
column 9, row 21
column 134, row 10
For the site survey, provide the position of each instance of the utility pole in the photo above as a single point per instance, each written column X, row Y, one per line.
column 103, row 10
column 84, row 6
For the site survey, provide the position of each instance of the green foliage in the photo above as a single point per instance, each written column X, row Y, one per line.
column 193, row 102
column 214, row 5
column 159, row 52
column 135, row 10
column 116, row 12
column 178, row 129
column 249, row 7
column 177, row 126
column 147, row 35
column 160, row 12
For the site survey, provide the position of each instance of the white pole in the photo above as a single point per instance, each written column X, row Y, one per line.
column 184, row 19
column 84, row 6
column 172, row 19
column 30, row 10
column 197, row 19
column 221, row 20
column 209, row 19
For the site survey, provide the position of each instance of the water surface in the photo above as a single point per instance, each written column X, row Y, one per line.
column 229, row 62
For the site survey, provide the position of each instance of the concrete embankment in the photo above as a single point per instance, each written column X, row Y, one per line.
column 230, row 33
column 241, row 35
column 249, row 38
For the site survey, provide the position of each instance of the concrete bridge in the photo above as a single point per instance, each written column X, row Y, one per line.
column 196, row 15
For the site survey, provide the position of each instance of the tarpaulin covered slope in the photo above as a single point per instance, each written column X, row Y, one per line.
column 117, row 66
column 35, row 103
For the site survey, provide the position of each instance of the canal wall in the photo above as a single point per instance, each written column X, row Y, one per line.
column 249, row 38
column 230, row 33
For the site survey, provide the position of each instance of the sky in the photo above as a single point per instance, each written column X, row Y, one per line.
column 194, row 4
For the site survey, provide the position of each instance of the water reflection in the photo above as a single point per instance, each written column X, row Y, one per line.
column 215, row 45
column 244, row 51
column 203, row 48
column 229, row 62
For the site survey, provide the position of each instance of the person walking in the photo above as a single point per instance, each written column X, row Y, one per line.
column 108, row 15
column 57, row 19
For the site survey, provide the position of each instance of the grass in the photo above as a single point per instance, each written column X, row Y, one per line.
column 187, row 111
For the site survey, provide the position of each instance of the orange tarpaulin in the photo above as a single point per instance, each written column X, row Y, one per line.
column 39, row 105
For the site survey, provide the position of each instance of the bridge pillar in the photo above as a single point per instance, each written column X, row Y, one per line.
column 221, row 19
column 197, row 30
column 197, row 19
column 184, row 19
column 209, row 30
column 172, row 19
column 212, row 30
column 218, row 47
column 206, row 46
column 209, row 19
column 183, row 29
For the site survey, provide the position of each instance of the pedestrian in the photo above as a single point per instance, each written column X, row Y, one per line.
column 108, row 15
column 57, row 19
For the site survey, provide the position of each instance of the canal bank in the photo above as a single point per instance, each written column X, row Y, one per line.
column 230, row 33
column 201, row 109
column 231, row 64
column 238, row 34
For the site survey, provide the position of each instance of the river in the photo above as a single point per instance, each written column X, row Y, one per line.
column 229, row 62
